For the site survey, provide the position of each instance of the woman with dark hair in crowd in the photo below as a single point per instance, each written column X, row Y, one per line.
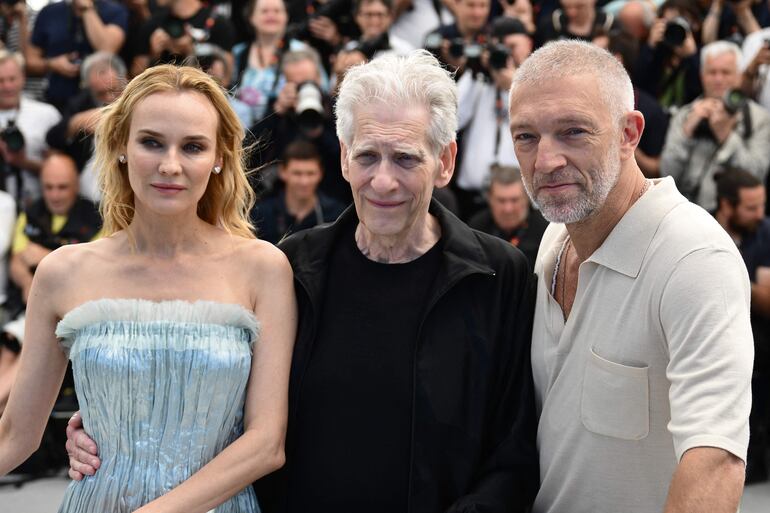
column 179, row 324
column 257, row 71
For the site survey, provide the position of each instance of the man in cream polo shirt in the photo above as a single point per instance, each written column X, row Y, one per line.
column 642, row 348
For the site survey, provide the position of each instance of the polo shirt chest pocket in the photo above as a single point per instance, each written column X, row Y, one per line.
column 615, row 399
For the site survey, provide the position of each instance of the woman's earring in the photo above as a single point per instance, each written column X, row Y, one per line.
column 122, row 159
column 217, row 170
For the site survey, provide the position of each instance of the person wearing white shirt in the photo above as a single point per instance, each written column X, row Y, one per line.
column 32, row 119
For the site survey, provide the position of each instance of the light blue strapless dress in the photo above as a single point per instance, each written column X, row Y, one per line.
column 161, row 387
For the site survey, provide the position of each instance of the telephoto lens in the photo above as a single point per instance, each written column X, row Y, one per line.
column 12, row 137
column 676, row 32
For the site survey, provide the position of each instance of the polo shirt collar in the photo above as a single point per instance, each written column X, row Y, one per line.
column 625, row 247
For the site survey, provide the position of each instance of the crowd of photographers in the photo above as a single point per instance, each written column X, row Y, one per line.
column 699, row 67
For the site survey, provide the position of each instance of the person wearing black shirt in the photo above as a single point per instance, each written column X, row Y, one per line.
column 172, row 34
column 741, row 201
column 411, row 387
column 299, row 205
column 509, row 215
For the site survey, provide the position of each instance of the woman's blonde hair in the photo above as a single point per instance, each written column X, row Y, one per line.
column 228, row 197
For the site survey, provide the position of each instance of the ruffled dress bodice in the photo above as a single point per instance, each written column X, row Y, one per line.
column 161, row 387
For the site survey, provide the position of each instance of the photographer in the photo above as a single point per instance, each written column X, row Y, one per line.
column 483, row 111
column 64, row 34
column 173, row 33
column 103, row 77
column 299, row 205
column 625, row 47
column 577, row 19
column 415, row 19
column 470, row 28
column 374, row 18
column 509, row 215
column 23, row 125
column 302, row 110
column 721, row 129
column 667, row 66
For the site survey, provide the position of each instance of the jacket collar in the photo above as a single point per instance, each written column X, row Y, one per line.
column 461, row 252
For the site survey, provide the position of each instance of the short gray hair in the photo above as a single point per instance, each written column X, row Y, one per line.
column 401, row 81
column 6, row 54
column 718, row 48
column 566, row 58
column 102, row 61
column 303, row 54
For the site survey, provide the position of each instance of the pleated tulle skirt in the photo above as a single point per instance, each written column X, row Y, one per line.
column 161, row 387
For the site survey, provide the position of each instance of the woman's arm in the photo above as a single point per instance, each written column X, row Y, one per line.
column 41, row 370
column 259, row 450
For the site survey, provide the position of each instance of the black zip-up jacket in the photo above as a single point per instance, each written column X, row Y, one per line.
column 473, row 418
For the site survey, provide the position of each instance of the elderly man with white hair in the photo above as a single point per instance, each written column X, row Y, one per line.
column 721, row 129
column 641, row 346
column 411, row 389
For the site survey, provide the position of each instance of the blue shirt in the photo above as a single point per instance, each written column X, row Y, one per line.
column 58, row 31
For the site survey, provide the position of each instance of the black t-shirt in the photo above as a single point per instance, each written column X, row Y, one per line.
column 214, row 30
column 354, row 417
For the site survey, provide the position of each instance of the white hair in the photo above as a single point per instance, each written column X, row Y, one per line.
column 100, row 62
column 401, row 82
column 6, row 55
column 718, row 48
column 567, row 58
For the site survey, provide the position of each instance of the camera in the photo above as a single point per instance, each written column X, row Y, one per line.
column 369, row 47
column 309, row 109
column 174, row 27
column 676, row 32
column 339, row 11
column 733, row 100
column 498, row 56
column 12, row 137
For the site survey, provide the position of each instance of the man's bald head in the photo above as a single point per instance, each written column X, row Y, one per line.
column 60, row 181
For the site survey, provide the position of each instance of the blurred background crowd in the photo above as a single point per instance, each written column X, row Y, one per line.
column 699, row 67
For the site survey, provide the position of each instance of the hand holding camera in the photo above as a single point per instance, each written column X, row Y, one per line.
column 12, row 146
column 172, row 36
column 286, row 99
column 715, row 118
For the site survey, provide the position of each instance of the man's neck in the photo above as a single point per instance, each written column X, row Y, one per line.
column 589, row 234
column 11, row 107
column 299, row 208
column 399, row 248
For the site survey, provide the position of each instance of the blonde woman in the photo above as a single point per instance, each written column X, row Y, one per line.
column 179, row 324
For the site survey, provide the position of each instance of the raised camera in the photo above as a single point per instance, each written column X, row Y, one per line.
column 12, row 137
column 676, row 32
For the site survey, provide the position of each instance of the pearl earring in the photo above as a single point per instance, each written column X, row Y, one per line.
column 217, row 170
column 122, row 159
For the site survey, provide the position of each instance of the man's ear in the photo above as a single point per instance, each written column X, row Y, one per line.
column 446, row 163
column 725, row 207
column 631, row 134
column 344, row 161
